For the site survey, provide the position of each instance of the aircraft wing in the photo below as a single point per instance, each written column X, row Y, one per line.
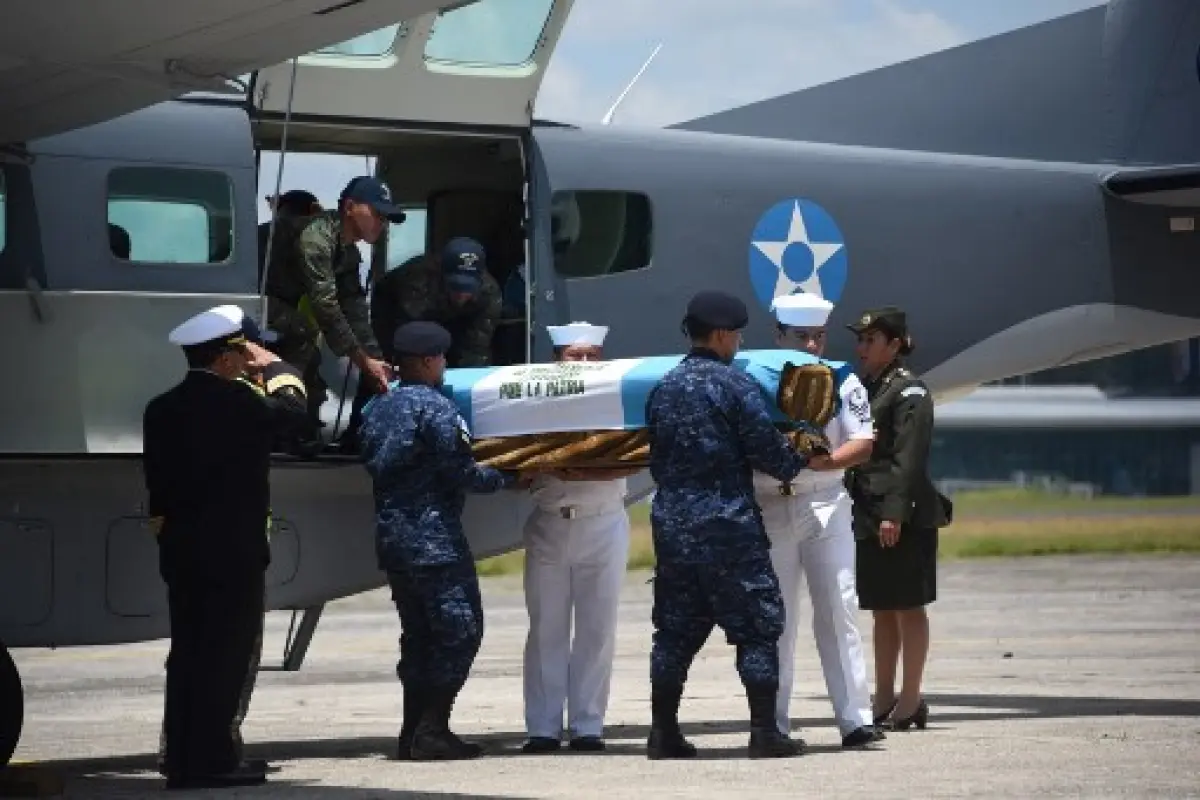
column 69, row 63
column 1158, row 186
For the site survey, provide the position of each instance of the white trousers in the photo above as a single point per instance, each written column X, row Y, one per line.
column 811, row 538
column 573, row 567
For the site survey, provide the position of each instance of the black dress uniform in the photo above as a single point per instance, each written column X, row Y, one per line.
column 207, row 448
column 894, row 485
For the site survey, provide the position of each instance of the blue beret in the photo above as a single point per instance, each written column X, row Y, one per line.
column 421, row 339
column 717, row 310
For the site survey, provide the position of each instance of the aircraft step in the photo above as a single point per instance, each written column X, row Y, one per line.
column 22, row 779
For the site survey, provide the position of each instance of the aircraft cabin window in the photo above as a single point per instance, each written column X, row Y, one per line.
column 408, row 238
column 497, row 33
column 375, row 44
column 159, row 215
column 3, row 214
column 598, row 233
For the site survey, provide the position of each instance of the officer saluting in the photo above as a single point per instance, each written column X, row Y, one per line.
column 709, row 429
column 897, row 513
column 417, row 449
column 207, row 449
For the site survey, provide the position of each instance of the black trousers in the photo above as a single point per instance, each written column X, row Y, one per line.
column 216, row 628
column 243, row 701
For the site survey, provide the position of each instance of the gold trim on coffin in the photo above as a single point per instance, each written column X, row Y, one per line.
column 806, row 394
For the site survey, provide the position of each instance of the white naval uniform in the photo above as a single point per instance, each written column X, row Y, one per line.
column 576, row 548
column 811, row 537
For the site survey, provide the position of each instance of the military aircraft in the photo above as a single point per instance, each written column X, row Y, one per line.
column 1030, row 199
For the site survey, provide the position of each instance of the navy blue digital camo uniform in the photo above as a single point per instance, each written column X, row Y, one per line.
column 417, row 449
column 710, row 428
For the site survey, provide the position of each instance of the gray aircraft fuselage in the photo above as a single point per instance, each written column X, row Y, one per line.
column 1004, row 265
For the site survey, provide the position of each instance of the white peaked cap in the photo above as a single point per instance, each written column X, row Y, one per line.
column 208, row 325
column 581, row 333
column 802, row 310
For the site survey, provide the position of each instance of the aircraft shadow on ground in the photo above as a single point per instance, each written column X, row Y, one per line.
column 626, row 740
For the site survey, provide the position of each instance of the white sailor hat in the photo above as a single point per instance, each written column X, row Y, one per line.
column 226, row 324
column 802, row 310
column 577, row 333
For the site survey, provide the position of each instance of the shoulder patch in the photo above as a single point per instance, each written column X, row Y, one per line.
column 464, row 433
column 914, row 391
column 859, row 405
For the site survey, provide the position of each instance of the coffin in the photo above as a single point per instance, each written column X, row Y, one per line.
column 593, row 414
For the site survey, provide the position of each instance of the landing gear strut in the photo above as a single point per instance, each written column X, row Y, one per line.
column 299, row 636
column 12, row 706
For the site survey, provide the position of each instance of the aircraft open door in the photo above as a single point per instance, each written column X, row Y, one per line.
column 474, row 64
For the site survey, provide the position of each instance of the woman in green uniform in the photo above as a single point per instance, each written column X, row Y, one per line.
column 897, row 514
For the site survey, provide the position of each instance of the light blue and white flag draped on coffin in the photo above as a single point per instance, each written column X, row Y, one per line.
column 568, row 407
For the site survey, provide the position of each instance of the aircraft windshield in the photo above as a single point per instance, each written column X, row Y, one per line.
column 372, row 45
column 492, row 32
column 498, row 33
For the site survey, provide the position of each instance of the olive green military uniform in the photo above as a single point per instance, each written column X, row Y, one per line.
column 313, row 288
column 416, row 291
column 894, row 485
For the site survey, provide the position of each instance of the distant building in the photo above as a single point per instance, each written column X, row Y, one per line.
column 1132, row 429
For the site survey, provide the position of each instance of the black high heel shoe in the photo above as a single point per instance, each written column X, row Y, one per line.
column 920, row 718
column 881, row 717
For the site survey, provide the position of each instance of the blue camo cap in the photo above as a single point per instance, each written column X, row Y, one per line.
column 463, row 262
column 375, row 193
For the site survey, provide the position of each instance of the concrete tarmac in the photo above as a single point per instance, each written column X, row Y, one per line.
column 1070, row 676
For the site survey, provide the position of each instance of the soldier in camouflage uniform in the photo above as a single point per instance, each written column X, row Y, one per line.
column 417, row 449
column 313, row 284
column 710, row 428
column 897, row 513
column 296, row 203
column 454, row 290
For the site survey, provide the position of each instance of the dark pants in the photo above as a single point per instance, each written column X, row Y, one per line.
column 298, row 346
column 741, row 596
column 441, row 625
column 216, row 633
column 243, row 701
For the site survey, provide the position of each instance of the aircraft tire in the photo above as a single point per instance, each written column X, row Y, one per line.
column 12, row 706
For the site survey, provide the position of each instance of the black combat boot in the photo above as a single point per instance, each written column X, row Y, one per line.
column 413, row 703
column 432, row 739
column 666, row 740
column 765, row 739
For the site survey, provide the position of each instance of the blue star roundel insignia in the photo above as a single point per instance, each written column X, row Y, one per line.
column 797, row 247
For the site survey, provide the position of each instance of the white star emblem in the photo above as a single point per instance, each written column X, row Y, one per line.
column 821, row 253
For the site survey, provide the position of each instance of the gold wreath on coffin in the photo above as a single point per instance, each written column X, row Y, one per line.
column 807, row 394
